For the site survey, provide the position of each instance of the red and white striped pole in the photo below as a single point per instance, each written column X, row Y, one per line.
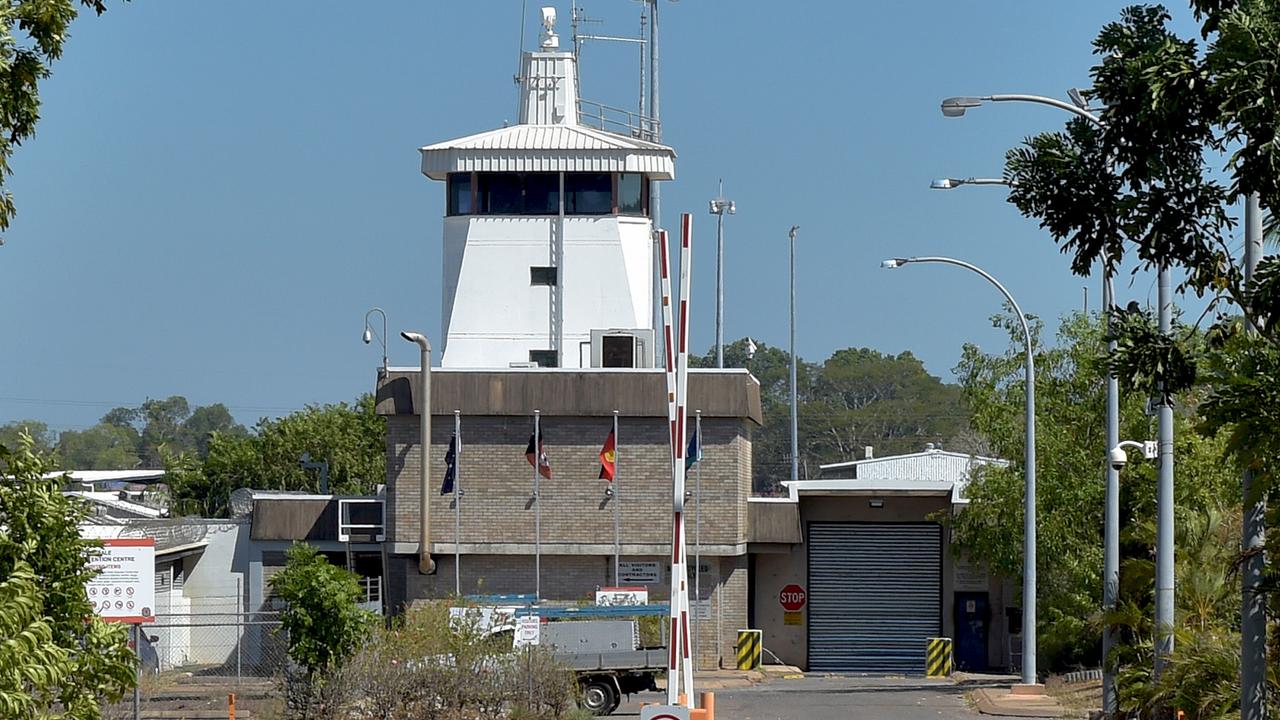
column 680, row 667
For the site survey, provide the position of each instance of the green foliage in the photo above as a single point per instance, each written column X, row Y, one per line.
column 323, row 619
column 53, row 662
column 857, row 397
column 1070, row 427
column 351, row 437
column 42, row 438
column 32, row 33
column 101, row 447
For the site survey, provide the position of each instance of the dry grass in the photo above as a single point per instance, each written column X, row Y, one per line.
column 1078, row 699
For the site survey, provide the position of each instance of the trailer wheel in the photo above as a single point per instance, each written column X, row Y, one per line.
column 600, row 695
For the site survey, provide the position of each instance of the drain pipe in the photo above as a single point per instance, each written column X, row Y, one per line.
column 426, row 565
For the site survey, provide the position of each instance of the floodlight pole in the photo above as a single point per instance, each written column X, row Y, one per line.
column 1253, row 611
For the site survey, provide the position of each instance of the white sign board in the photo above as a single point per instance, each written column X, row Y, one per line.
column 528, row 631
column 640, row 572
column 664, row 712
column 611, row 596
column 701, row 608
column 124, row 588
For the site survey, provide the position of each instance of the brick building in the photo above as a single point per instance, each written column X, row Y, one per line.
column 496, row 545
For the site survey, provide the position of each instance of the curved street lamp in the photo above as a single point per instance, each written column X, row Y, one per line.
column 953, row 183
column 369, row 335
column 1029, row 510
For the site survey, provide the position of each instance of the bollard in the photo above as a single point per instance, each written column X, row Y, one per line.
column 938, row 662
column 231, row 706
column 748, row 647
column 709, row 704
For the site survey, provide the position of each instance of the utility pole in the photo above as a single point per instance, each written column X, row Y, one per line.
column 795, row 435
column 1164, row 496
column 1111, row 530
column 1253, row 610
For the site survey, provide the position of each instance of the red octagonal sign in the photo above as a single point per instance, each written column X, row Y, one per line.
column 792, row 597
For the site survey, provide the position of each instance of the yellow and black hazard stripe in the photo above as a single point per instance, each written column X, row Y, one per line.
column 937, row 656
column 749, row 643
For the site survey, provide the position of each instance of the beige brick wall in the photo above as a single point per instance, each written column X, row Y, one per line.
column 498, row 483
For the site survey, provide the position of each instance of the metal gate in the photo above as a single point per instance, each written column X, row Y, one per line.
column 875, row 594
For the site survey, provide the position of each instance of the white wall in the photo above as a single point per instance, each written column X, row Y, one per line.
column 493, row 316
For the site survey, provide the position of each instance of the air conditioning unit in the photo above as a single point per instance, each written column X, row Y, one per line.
column 622, row 348
column 361, row 520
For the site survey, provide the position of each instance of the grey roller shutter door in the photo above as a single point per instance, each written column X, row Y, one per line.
column 875, row 594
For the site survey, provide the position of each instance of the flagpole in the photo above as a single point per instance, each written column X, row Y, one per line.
column 697, row 532
column 457, row 503
column 537, row 507
column 617, row 505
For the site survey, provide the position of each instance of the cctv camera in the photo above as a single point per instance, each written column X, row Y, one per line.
column 751, row 349
column 1119, row 458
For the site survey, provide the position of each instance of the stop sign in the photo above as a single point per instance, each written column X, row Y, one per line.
column 792, row 597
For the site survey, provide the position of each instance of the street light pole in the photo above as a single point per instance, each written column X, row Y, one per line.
column 719, row 206
column 1253, row 613
column 1029, row 468
column 426, row 565
column 369, row 335
column 795, row 434
column 1164, row 496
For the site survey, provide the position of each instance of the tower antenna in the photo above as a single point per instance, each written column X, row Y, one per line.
column 520, row 50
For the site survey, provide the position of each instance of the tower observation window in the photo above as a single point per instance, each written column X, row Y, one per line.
column 632, row 194
column 459, row 194
column 588, row 193
column 511, row 193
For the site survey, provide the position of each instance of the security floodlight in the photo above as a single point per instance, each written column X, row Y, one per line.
column 892, row 263
column 549, row 18
column 943, row 183
column 955, row 106
column 1077, row 98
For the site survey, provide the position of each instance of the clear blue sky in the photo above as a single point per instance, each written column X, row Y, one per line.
column 218, row 192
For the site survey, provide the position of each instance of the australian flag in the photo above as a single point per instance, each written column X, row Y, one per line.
column 450, row 466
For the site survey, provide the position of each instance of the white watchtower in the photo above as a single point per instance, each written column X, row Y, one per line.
column 548, row 254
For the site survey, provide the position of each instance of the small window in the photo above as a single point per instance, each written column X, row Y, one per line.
column 460, row 194
column 631, row 194
column 542, row 276
column 545, row 358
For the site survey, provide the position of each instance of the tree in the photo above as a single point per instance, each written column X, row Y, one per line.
column 204, row 422
column 350, row 437
column 322, row 616
column 1070, row 423
column 101, row 447
column 32, row 33
column 859, row 397
column 1144, row 186
column 58, row 659
column 43, row 439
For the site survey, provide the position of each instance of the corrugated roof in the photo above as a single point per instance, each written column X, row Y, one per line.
column 547, row 148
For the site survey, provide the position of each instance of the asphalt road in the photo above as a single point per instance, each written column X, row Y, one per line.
column 832, row 698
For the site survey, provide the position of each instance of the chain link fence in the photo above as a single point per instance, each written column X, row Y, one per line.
column 231, row 645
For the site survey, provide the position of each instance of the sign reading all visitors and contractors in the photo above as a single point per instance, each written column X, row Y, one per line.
column 124, row 586
column 793, row 618
column 792, row 597
column 664, row 712
column 611, row 596
column 639, row 572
